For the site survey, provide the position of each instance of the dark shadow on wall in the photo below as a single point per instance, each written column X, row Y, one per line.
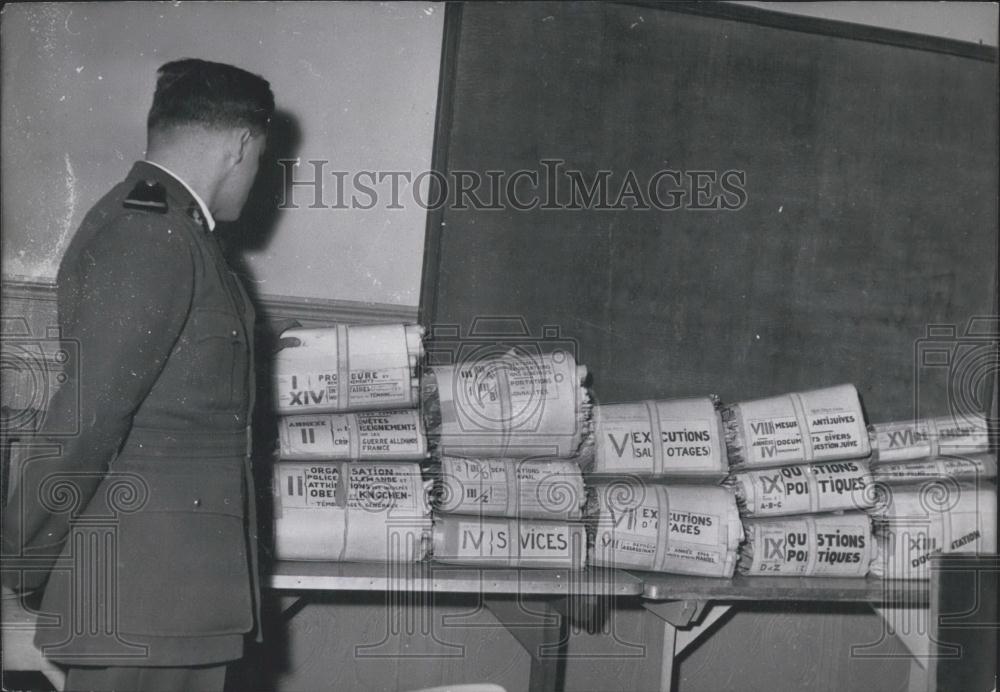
column 253, row 231
column 255, row 227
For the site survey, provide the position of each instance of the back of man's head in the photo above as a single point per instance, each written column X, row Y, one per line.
column 212, row 95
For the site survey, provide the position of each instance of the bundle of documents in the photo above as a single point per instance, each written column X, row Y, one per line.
column 515, row 405
column 508, row 428
column 351, row 511
column 528, row 489
column 682, row 438
column 802, row 457
column 348, row 484
column 679, row 529
column 945, row 447
column 827, row 545
column 913, row 523
column 929, row 438
column 348, row 368
column 801, row 427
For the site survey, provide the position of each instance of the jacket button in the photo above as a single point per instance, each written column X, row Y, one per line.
column 197, row 503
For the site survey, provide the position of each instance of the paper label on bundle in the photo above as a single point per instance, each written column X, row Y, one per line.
column 925, row 438
column 495, row 539
column 837, row 434
column 911, row 545
column 483, row 485
column 775, row 439
column 388, row 432
column 628, row 445
column 688, row 530
column 684, row 444
column 380, row 434
column 955, row 435
column 805, row 426
column 902, row 440
column 807, row 488
column 529, row 384
column 942, row 467
column 307, row 390
column 376, row 387
column 511, row 406
column 314, row 435
column 922, row 523
column 532, row 379
column 633, row 534
column 319, row 389
column 544, row 489
column 833, row 545
column 309, row 486
column 372, row 487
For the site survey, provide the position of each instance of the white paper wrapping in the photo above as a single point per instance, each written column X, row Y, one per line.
column 823, row 545
column 499, row 542
column 929, row 438
column 361, row 435
column 972, row 467
column 657, row 439
column 817, row 425
column 514, row 406
column 532, row 488
column 351, row 511
column 804, row 489
column 699, row 532
column 348, row 368
column 912, row 524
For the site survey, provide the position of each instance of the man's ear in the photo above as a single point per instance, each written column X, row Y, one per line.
column 241, row 140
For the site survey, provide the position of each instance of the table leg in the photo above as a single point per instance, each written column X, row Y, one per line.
column 667, row 653
column 290, row 606
column 682, row 623
column 542, row 632
column 711, row 615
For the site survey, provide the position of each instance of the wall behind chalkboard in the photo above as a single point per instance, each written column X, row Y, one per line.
column 869, row 173
column 355, row 86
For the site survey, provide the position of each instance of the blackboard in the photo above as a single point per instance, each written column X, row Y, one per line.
column 865, row 236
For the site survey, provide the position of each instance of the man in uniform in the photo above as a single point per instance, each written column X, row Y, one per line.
column 142, row 526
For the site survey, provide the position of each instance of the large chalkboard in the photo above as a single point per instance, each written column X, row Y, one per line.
column 864, row 172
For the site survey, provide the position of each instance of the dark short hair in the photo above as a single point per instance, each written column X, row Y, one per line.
column 211, row 94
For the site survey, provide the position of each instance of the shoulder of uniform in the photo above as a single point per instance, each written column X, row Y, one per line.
column 148, row 196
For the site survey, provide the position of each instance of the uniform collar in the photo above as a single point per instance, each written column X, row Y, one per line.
column 175, row 184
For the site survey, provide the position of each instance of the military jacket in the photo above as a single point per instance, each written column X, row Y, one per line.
column 143, row 523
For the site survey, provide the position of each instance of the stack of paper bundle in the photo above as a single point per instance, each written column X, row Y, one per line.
column 937, row 492
column 802, row 480
column 347, row 483
column 508, row 430
column 656, row 503
column 945, row 447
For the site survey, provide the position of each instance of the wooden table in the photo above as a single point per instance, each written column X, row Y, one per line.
column 532, row 603
column 690, row 606
column 440, row 578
